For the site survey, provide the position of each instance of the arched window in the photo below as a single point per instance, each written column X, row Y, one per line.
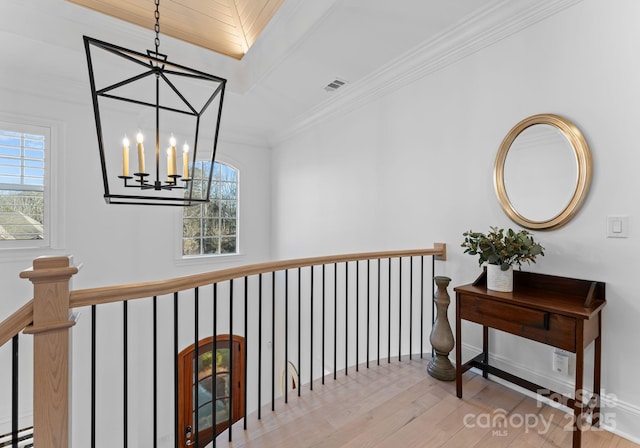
column 212, row 228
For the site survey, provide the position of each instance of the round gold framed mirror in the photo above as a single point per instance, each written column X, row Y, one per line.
column 542, row 172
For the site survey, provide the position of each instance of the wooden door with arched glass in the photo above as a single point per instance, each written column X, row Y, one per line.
column 197, row 382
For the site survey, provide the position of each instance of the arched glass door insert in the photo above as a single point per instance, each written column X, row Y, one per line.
column 215, row 382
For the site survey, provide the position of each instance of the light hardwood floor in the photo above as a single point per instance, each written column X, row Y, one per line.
column 399, row 405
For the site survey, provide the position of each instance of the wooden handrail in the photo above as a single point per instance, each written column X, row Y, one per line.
column 15, row 323
column 96, row 296
column 22, row 318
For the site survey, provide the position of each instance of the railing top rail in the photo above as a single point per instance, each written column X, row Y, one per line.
column 95, row 296
column 15, row 323
column 22, row 318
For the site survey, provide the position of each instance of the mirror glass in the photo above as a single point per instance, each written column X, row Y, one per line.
column 540, row 172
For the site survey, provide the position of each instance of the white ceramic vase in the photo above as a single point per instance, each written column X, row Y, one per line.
column 499, row 280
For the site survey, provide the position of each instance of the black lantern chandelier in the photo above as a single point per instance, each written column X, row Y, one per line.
column 154, row 92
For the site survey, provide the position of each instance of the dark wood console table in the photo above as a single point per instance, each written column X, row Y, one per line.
column 557, row 311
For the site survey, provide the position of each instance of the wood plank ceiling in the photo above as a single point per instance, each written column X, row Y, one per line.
column 228, row 27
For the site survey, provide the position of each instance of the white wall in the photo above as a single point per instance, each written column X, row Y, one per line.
column 415, row 166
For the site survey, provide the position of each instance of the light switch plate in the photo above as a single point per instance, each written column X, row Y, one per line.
column 617, row 226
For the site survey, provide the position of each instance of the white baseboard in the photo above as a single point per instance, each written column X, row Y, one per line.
column 617, row 416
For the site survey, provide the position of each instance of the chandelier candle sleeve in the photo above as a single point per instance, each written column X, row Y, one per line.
column 140, row 139
column 185, row 161
column 171, row 160
column 125, row 156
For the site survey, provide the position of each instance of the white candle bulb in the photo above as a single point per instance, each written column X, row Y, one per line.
column 169, row 173
column 185, row 161
column 125, row 156
column 140, row 138
column 171, row 157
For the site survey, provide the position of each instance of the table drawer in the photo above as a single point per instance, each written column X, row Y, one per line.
column 542, row 326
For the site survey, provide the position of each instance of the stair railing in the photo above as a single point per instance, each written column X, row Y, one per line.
column 357, row 302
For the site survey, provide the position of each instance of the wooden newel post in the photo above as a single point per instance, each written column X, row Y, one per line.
column 441, row 335
column 50, row 277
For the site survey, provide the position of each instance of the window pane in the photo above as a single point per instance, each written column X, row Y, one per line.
column 222, row 411
column 228, row 209
column 191, row 227
column 215, row 190
column 222, row 385
column 21, row 215
column 212, row 209
column 216, row 170
column 206, row 167
column 192, row 211
column 197, row 189
column 205, row 392
column 223, row 360
column 229, row 174
column 210, row 246
column 205, row 417
column 228, row 227
column 228, row 190
column 191, row 246
column 205, row 364
column 228, row 245
column 211, row 227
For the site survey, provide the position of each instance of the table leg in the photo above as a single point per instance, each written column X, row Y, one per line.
column 458, row 350
column 485, row 350
column 578, row 404
column 597, row 363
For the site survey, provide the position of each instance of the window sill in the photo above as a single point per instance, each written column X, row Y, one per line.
column 196, row 260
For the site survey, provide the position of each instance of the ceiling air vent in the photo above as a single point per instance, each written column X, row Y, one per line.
column 335, row 85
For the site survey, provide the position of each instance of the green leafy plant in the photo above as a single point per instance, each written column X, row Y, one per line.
column 502, row 248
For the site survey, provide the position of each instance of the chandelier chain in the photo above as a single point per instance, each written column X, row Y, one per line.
column 157, row 27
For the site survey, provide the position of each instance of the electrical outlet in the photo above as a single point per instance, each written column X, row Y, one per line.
column 560, row 363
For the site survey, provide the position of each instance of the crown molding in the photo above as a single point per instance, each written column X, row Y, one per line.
column 498, row 20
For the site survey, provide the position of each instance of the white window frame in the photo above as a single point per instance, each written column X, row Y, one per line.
column 52, row 235
column 209, row 257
